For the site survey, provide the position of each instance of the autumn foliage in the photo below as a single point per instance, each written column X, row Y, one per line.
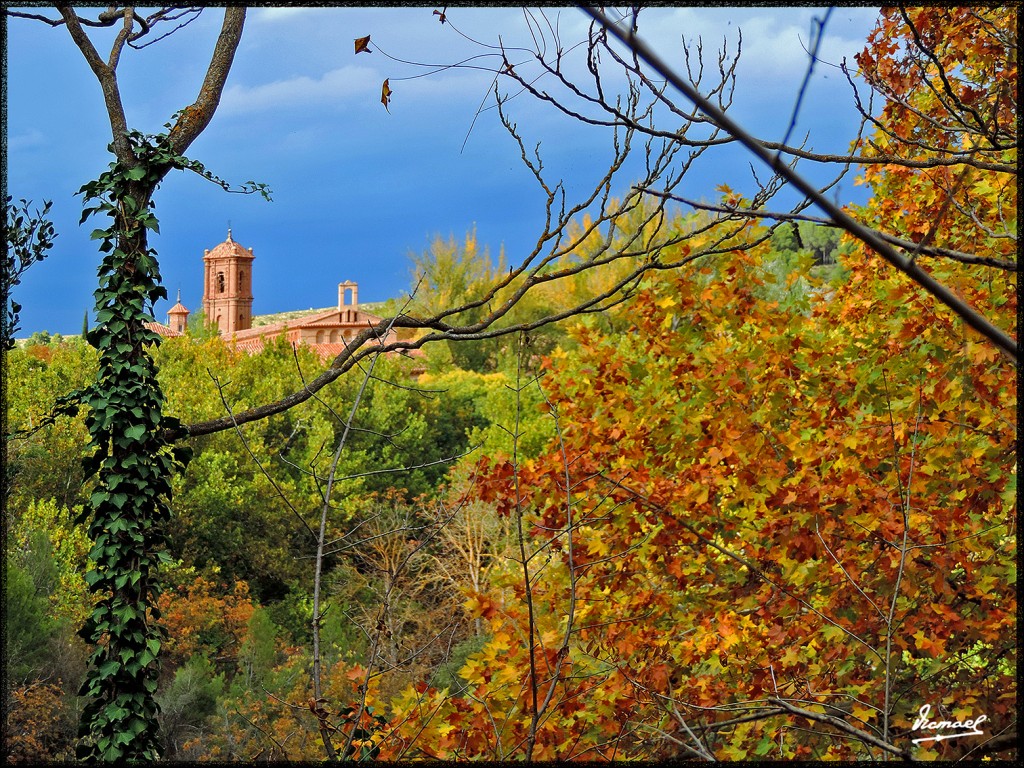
column 766, row 515
column 768, row 504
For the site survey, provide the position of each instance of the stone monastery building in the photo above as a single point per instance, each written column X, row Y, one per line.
column 227, row 303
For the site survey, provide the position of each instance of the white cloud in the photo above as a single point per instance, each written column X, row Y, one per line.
column 29, row 139
column 335, row 86
column 453, row 87
column 278, row 14
column 774, row 39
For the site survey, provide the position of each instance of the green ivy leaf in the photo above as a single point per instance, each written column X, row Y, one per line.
column 136, row 432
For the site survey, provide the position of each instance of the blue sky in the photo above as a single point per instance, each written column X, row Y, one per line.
column 357, row 189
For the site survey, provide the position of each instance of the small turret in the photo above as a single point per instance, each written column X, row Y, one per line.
column 177, row 316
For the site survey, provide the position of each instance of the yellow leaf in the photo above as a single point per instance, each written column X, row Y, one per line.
column 702, row 495
column 862, row 712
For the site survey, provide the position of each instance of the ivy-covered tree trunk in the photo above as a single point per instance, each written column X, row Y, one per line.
column 128, row 451
column 129, row 506
column 127, row 426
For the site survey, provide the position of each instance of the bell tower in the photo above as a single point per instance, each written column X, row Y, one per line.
column 227, row 287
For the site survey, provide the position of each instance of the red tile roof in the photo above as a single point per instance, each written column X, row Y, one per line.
column 229, row 248
column 164, row 330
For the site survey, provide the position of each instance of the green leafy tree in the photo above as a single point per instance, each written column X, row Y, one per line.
column 820, row 241
column 186, row 706
column 29, row 625
column 199, row 328
column 29, row 238
column 44, row 540
column 259, row 651
column 43, row 449
column 452, row 274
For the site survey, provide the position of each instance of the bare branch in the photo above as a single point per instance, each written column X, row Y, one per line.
column 248, row 450
column 34, row 17
column 108, row 84
column 868, row 236
column 907, row 245
column 843, row 726
column 193, row 119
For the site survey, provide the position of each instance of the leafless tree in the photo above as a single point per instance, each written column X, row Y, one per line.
column 137, row 31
